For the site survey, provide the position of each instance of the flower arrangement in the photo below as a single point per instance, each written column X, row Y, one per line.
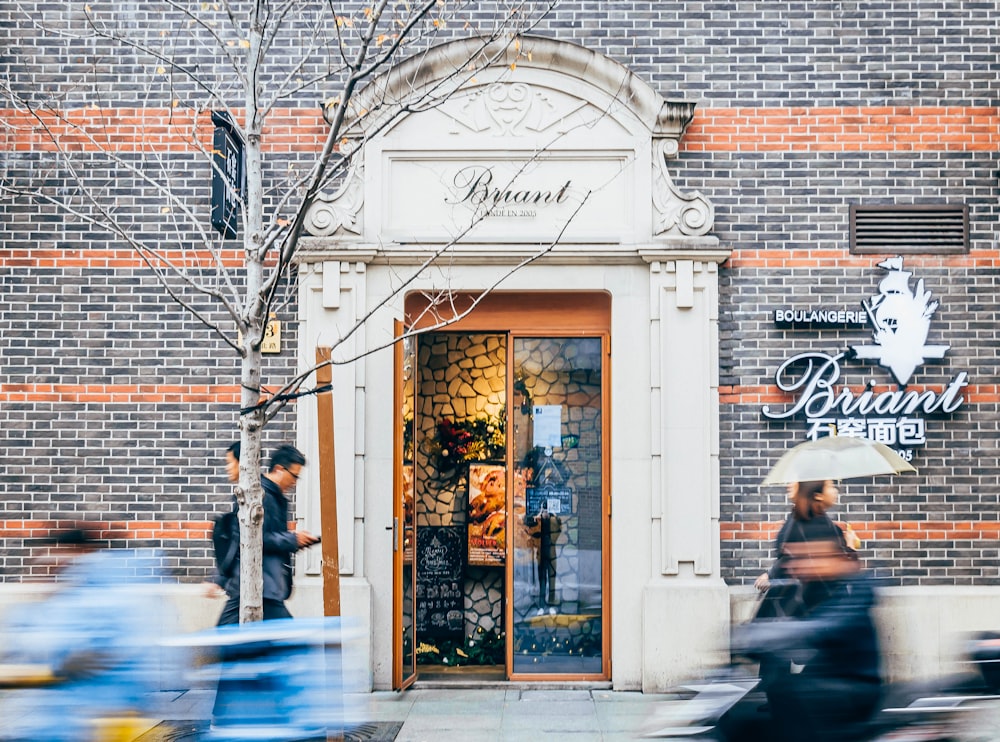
column 457, row 441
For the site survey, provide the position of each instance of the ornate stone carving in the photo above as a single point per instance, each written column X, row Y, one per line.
column 511, row 109
column 339, row 212
column 675, row 212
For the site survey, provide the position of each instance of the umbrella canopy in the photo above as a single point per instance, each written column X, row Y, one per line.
column 836, row 457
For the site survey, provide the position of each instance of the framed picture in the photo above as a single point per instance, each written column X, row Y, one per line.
column 487, row 532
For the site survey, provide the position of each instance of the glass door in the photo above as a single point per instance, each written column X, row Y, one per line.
column 404, row 670
column 557, row 573
column 510, row 448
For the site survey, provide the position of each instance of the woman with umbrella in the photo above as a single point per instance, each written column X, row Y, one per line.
column 810, row 501
column 809, row 469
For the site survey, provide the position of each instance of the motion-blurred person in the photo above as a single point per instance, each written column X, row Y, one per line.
column 807, row 519
column 214, row 586
column 279, row 543
column 88, row 652
column 834, row 644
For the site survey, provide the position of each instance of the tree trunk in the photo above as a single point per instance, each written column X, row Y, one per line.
column 250, row 494
column 251, row 424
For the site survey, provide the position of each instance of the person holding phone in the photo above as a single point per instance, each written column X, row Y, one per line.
column 280, row 544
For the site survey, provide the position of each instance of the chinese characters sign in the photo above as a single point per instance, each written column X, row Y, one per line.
column 900, row 320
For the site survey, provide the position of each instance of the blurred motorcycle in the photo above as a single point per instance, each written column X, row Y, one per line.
column 730, row 705
column 80, row 661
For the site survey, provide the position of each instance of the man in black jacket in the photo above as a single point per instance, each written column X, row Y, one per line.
column 832, row 649
column 279, row 542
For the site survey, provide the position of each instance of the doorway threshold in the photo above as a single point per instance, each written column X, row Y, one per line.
column 473, row 678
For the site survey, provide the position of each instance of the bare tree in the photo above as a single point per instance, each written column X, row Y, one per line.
column 129, row 119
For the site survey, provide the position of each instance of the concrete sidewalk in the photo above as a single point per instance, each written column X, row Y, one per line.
column 494, row 714
column 514, row 714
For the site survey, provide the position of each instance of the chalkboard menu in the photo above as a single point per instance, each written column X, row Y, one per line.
column 440, row 553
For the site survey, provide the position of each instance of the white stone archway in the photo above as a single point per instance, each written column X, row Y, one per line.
column 571, row 152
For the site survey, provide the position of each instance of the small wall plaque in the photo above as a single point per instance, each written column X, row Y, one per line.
column 272, row 337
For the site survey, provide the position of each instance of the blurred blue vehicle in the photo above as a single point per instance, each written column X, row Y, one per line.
column 85, row 659
column 277, row 680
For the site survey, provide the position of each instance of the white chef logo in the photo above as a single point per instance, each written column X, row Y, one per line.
column 900, row 319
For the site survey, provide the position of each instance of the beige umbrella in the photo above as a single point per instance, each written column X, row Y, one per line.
column 836, row 457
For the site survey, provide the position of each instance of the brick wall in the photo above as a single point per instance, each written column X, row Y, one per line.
column 116, row 404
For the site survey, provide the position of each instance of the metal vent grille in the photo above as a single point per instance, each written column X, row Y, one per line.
column 923, row 228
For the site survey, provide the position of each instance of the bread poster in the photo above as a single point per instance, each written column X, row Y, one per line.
column 487, row 515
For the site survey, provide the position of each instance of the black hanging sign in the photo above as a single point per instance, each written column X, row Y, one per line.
column 440, row 552
column 227, row 175
column 557, row 500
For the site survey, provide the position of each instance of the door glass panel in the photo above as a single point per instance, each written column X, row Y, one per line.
column 460, row 504
column 556, row 434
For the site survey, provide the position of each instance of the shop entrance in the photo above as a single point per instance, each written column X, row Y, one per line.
column 501, row 543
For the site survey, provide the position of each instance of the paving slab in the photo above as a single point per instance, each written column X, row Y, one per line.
column 498, row 714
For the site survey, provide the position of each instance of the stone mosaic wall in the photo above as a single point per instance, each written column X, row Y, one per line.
column 459, row 377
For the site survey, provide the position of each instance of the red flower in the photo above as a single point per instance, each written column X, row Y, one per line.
column 453, row 439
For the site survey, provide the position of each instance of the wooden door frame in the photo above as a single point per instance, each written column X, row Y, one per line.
column 565, row 313
column 605, row 674
column 526, row 314
column 400, row 680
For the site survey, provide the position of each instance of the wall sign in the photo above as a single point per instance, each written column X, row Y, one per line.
column 473, row 185
column 228, row 175
column 900, row 321
column 507, row 198
column 818, row 318
column 557, row 500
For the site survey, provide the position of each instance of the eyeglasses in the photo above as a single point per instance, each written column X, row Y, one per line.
column 295, row 475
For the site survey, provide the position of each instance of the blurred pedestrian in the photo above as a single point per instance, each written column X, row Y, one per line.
column 91, row 643
column 233, row 462
column 214, row 586
column 807, row 521
column 810, row 502
column 279, row 543
column 834, row 645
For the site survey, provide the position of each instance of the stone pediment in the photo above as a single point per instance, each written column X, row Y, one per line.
column 513, row 109
column 553, row 143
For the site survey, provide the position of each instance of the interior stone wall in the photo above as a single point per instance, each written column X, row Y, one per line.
column 459, row 377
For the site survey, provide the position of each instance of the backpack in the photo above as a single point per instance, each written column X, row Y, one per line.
column 226, row 541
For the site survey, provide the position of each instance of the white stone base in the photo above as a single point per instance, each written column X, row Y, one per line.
column 685, row 624
column 356, row 610
column 920, row 628
column 685, row 630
